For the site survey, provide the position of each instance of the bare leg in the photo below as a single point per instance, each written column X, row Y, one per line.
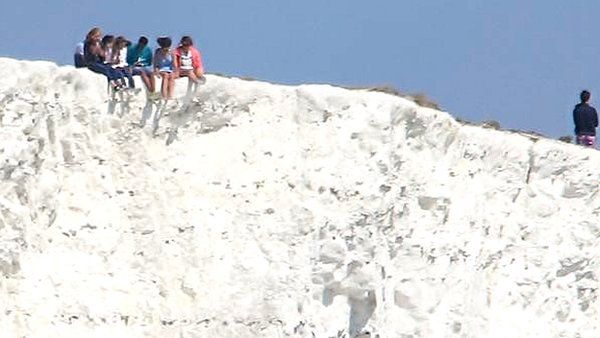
column 198, row 78
column 152, row 82
column 199, row 75
column 171, row 83
column 193, row 80
column 164, row 86
column 146, row 81
column 192, row 76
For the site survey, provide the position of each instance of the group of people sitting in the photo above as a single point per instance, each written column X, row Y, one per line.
column 119, row 60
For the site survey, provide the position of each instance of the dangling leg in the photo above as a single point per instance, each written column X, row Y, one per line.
column 199, row 82
column 129, row 76
column 151, row 80
column 164, row 86
column 171, row 83
column 146, row 81
column 107, row 71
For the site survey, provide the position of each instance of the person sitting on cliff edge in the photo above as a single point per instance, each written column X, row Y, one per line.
column 94, row 57
column 187, row 61
column 586, row 121
column 139, row 58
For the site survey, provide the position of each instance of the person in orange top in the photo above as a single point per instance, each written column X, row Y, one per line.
column 188, row 61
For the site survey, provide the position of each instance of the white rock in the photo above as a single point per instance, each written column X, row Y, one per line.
column 308, row 211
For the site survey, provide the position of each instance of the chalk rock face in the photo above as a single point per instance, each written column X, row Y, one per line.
column 257, row 210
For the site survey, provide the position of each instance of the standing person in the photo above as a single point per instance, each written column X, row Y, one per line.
column 586, row 121
column 163, row 66
column 188, row 61
column 139, row 58
column 94, row 59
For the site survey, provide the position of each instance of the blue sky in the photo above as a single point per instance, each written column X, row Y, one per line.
column 521, row 63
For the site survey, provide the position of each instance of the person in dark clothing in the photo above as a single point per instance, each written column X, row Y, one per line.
column 586, row 121
column 78, row 57
column 94, row 57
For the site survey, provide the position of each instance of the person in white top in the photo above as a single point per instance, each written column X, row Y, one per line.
column 119, row 58
column 188, row 61
column 120, row 54
column 107, row 44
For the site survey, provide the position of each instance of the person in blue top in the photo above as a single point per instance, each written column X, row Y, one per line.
column 163, row 66
column 586, row 121
column 139, row 58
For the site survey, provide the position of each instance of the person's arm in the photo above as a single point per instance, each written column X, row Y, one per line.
column 131, row 59
column 198, row 60
column 155, row 63
column 114, row 56
column 117, row 58
column 146, row 57
column 79, row 61
column 595, row 118
column 96, row 49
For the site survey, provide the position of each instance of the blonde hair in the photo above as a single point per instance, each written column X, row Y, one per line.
column 92, row 32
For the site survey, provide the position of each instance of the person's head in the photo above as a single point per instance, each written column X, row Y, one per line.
column 186, row 42
column 143, row 41
column 121, row 42
column 585, row 96
column 108, row 40
column 94, row 34
column 164, row 42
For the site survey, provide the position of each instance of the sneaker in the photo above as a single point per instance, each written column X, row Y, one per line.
column 153, row 96
column 115, row 86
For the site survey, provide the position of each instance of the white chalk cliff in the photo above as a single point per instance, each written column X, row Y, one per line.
column 276, row 211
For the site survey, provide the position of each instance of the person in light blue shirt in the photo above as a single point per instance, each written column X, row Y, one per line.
column 163, row 66
column 139, row 58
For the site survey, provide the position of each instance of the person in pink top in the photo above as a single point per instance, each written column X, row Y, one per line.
column 188, row 61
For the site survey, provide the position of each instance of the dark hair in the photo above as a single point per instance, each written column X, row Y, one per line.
column 107, row 39
column 143, row 40
column 122, row 40
column 584, row 96
column 186, row 41
column 164, row 41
